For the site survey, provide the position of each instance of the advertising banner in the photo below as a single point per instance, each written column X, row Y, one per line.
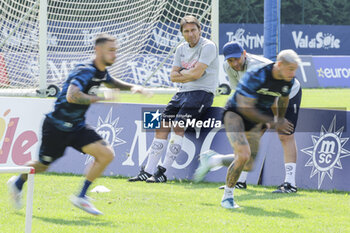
column 332, row 71
column 304, row 39
column 123, row 126
column 20, row 128
column 323, row 152
column 321, row 135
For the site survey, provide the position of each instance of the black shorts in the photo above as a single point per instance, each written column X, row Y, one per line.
column 291, row 115
column 54, row 141
column 292, row 112
column 187, row 105
column 248, row 125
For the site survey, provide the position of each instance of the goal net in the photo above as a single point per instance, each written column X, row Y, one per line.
column 39, row 45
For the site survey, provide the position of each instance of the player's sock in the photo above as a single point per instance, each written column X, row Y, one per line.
column 221, row 160
column 85, row 188
column 19, row 182
column 243, row 177
column 228, row 193
column 173, row 150
column 290, row 173
column 154, row 153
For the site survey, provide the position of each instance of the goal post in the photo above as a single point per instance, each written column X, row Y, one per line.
column 30, row 191
column 57, row 35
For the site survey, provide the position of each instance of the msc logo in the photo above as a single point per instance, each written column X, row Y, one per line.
column 151, row 120
column 326, row 152
column 109, row 131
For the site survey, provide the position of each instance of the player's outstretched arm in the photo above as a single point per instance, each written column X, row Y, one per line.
column 76, row 96
column 116, row 83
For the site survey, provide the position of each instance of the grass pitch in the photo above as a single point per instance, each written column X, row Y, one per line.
column 311, row 98
column 174, row 207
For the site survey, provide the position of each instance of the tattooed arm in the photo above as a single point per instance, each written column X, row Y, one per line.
column 282, row 105
column 117, row 83
column 76, row 96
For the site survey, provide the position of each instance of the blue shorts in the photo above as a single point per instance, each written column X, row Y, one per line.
column 54, row 141
column 187, row 105
column 292, row 112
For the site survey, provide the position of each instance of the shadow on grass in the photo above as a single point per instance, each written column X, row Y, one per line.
column 255, row 211
column 251, row 194
column 81, row 221
column 201, row 185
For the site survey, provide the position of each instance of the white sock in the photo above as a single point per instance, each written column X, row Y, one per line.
column 290, row 173
column 228, row 193
column 154, row 153
column 243, row 177
column 215, row 161
column 221, row 160
column 173, row 150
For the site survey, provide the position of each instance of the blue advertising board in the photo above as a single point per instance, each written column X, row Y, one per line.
column 304, row 39
column 332, row 72
column 321, row 135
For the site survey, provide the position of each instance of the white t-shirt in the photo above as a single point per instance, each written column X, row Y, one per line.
column 204, row 52
column 253, row 60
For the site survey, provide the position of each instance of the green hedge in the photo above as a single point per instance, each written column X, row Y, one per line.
column 330, row 12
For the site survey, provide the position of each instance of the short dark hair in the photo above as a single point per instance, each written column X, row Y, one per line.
column 103, row 38
column 189, row 19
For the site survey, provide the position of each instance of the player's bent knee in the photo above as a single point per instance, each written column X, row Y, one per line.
column 243, row 157
column 286, row 137
column 108, row 156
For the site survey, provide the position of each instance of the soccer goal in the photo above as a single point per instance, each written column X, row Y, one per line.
column 41, row 41
column 30, row 191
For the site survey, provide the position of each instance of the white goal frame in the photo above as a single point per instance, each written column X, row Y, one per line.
column 30, row 191
column 42, row 9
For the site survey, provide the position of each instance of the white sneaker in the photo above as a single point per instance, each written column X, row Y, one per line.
column 15, row 193
column 85, row 204
column 203, row 167
column 229, row 203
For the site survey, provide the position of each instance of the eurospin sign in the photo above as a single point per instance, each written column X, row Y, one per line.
column 334, row 72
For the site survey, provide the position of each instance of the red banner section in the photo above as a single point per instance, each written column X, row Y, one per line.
column 4, row 80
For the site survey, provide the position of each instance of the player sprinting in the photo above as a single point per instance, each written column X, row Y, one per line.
column 248, row 112
column 66, row 126
column 238, row 61
column 196, row 67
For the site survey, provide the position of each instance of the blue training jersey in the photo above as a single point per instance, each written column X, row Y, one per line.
column 71, row 117
column 259, row 84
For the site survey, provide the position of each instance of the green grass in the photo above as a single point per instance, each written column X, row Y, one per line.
column 175, row 207
column 312, row 98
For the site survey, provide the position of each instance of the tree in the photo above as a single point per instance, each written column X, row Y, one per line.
column 330, row 12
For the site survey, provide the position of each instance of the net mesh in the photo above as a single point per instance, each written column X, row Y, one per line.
column 146, row 30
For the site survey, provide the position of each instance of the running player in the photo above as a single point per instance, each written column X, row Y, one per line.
column 66, row 126
column 248, row 112
column 238, row 62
